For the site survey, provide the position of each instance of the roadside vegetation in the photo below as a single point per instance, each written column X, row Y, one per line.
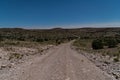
column 103, row 40
column 104, row 46
column 103, row 51
column 55, row 35
column 16, row 44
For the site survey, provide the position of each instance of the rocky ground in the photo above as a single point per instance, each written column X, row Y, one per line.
column 13, row 55
column 59, row 63
column 105, row 63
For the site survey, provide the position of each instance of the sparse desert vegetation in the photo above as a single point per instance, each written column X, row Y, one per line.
column 104, row 52
column 100, row 45
column 14, row 52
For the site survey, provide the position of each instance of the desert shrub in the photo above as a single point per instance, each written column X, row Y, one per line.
column 58, row 41
column 116, row 59
column 118, row 40
column 39, row 40
column 97, row 44
column 1, row 38
column 116, row 54
column 11, row 43
column 15, row 56
column 111, row 43
column 105, row 41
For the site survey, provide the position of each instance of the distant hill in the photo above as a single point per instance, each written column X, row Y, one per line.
column 56, row 33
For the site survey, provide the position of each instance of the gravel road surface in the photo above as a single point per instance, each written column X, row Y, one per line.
column 59, row 63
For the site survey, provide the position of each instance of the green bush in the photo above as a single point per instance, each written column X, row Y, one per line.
column 112, row 43
column 1, row 38
column 97, row 44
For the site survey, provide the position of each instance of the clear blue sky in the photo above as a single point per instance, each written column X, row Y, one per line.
column 45, row 13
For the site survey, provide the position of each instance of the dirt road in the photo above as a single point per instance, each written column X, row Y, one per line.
column 60, row 63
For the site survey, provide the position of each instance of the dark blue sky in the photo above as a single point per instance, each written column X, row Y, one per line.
column 47, row 13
